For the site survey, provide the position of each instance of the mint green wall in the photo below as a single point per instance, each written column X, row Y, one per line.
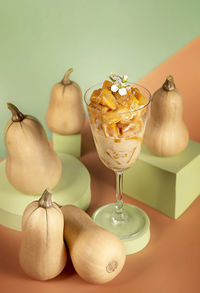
column 39, row 40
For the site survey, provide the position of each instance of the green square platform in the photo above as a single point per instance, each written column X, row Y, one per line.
column 68, row 144
column 168, row 184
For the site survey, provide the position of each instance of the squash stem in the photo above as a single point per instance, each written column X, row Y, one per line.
column 66, row 79
column 17, row 116
column 45, row 200
column 119, row 215
column 169, row 84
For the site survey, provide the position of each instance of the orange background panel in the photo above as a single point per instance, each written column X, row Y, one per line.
column 185, row 67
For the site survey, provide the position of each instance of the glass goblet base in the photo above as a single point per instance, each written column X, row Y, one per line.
column 134, row 231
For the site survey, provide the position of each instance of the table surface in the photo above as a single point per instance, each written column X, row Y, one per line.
column 170, row 262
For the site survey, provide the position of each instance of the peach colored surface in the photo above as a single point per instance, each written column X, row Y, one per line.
column 170, row 262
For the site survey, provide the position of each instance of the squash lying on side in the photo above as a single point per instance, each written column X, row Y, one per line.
column 98, row 255
column 42, row 252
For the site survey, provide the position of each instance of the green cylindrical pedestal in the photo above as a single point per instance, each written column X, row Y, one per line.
column 68, row 144
column 138, row 243
column 73, row 188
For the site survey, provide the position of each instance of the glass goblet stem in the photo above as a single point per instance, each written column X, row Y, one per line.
column 119, row 215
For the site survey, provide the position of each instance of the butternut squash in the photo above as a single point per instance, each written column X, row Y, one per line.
column 32, row 164
column 166, row 134
column 42, row 252
column 65, row 114
column 97, row 255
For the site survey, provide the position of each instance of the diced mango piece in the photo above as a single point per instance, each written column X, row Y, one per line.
column 94, row 110
column 135, row 91
column 121, row 113
column 95, row 95
column 95, row 106
column 131, row 99
column 127, row 100
column 126, row 114
column 123, row 127
column 111, row 117
column 106, row 98
column 107, row 84
column 111, row 130
column 137, row 123
column 104, row 109
column 92, row 113
column 119, row 116
column 121, row 100
column 141, row 99
column 129, row 130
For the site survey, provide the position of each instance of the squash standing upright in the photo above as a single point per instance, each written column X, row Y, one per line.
column 65, row 114
column 42, row 252
column 31, row 165
column 166, row 134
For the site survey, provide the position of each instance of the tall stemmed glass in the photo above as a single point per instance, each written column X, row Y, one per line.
column 118, row 136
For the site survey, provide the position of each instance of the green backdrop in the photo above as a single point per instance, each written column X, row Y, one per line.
column 40, row 39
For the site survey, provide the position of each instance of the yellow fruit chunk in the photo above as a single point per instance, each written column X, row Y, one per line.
column 126, row 114
column 121, row 100
column 128, row 100
column 94, row 110
column 95, row 95
column 121, row 114
column 141, row 99
column 106, row 98
column 111, row 130
column 123, row 127
column 131, row 99
column 137, row 123
column 104, row 109
column 111, row 117
column 107, row 84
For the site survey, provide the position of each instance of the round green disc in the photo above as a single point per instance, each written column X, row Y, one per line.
column 134, row 232
column 73, row 188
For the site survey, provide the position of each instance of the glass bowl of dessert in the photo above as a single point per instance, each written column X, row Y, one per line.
column 118, row 111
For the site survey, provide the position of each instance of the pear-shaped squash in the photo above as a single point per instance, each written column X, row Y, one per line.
column 32, row 164
column 166, row 134
column 42, row 252
column 65, row 114
column 97, row 255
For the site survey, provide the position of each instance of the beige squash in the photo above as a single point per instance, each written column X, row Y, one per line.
column 42, row 252
column 97, row 255
column 65, row 114
column 166, row 134
column 31, row 165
